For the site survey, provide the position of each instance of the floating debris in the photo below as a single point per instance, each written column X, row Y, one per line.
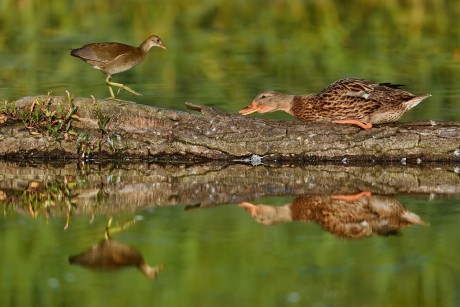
column 254, row 160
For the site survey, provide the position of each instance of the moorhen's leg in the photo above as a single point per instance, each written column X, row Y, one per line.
column 119, row 85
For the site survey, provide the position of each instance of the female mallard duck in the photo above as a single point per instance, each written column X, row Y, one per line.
column 346, row 101
column 350, row 216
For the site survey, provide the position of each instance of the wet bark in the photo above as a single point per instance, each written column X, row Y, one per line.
column 149, row 133
column 111, row 189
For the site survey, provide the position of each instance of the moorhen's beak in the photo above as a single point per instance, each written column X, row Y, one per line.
column 249, row 109
column 162, row 47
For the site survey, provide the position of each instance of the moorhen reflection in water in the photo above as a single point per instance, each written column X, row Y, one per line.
column 350, row 216
column 112, row 255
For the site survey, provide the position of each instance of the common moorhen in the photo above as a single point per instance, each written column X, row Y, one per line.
column 112, row 58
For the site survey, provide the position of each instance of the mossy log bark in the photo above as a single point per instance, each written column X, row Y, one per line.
column 143, row 132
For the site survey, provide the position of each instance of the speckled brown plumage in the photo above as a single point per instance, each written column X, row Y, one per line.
column 347, row 101
column 362, row 217
column 353, row 217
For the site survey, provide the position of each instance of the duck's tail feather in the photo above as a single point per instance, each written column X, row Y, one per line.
column 415, row 101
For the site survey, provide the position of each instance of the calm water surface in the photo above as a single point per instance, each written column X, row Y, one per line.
column 210, row 251
column 186, row 219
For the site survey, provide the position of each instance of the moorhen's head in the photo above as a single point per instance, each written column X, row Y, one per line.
column 152, row 41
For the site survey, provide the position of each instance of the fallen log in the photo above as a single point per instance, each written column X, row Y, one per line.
column 85, row 128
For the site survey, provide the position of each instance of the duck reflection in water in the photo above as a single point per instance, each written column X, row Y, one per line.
column 350, row 216
column 112, row 255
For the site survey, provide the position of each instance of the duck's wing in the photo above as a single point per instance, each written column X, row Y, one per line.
column 386, row 93
column 349, row 87
column 391, row 85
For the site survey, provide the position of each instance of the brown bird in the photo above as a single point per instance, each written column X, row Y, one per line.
column 113, row 58
column 351, row 216
column 346, row 101
column 111, row 255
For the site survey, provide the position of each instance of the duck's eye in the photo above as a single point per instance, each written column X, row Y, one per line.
column 262, row 97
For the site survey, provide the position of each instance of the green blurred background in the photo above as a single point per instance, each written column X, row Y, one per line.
column 222, row 257
column 223, row 53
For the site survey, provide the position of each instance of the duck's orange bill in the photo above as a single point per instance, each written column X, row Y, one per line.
column 249, row 109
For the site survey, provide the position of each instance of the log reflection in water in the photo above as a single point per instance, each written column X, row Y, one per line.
column 351, row 216
column 111, row 255
column 112, row 189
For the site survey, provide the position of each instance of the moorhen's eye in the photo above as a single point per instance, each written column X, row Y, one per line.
column 262, row 97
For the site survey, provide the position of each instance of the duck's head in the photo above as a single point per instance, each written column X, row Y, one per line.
column 268, row 101
column 268, row 215
column 152, row 41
